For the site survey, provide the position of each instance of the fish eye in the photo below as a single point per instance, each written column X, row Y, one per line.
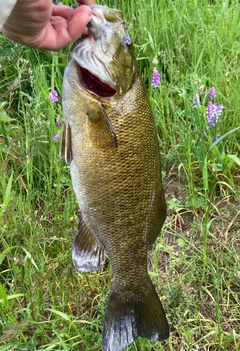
column 127, row 41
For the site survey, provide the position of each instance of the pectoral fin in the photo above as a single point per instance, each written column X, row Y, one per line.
column 87, row 252
column 66, row 144
column 101, row 129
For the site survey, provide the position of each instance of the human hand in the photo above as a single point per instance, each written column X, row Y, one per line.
column 40, row 24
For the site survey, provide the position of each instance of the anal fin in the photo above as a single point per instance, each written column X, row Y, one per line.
column 87, row 252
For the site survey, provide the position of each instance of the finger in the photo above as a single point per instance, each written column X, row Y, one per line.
column 61, row 32
column 62, row 11
column 66, row 11
column 79, row 10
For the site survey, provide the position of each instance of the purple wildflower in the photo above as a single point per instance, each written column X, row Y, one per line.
column 212, row 93
column 201, row 91
column 55, row 2
column 195, row 101
column 213, row 113
column 156, row 79
column 53, row 96
column 58, row 123
column 216, row 137
column 57, row 136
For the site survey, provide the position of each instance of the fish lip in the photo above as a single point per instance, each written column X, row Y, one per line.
column 93, row 83
column 96, row 24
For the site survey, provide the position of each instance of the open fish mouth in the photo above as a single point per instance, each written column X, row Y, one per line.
column 103, row 55
column 92, row 71
column 94, row 84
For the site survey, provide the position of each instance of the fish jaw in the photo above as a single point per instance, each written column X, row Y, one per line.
column 107, row 53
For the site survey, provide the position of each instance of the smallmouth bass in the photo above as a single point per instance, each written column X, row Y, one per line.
column 110, row 142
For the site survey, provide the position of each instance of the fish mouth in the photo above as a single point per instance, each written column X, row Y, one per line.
column 94, row 84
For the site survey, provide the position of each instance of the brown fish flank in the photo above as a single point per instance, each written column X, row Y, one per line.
column 110, row 143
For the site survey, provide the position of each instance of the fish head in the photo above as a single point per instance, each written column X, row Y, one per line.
column 105, row 57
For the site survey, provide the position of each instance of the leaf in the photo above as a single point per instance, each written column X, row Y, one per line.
column 4, row 253
column 4, row 103
column 234, row 158
column 60, row 314
column 15, row 296
column 223, row 137
column 150, row 39
column 27, row 347
column 217, row 167
column 7, row 194
column 31, row 258
column 9, row 297
column 4, row 117
column 205, row 173
column 3, row 295
column 2, row 258
column 174, row 204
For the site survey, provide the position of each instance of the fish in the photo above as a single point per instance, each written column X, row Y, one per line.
column 110, row 142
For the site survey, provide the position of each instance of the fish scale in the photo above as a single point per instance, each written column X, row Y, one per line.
column 111, row 145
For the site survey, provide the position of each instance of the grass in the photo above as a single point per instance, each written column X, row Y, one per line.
column 44, row 303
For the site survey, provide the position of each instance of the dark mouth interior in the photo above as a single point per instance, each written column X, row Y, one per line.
column 93, row 84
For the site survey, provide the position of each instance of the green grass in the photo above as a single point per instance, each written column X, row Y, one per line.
column 195, row 264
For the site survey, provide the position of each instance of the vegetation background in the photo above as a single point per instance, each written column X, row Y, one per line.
column 195, row 266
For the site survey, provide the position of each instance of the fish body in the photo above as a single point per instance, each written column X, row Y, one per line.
column 110, row 142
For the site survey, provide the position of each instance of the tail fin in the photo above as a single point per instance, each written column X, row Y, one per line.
column 125, row 321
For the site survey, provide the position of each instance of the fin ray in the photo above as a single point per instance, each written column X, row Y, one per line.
column 126, row 320
column 103, row 132
column 66, row 144
column 87, row 252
